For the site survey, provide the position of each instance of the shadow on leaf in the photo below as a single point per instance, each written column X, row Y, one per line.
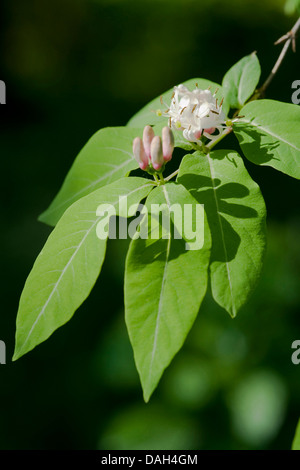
column 256, row 151
column 212, row 194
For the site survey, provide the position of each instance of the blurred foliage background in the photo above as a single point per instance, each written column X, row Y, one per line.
column 72, row 67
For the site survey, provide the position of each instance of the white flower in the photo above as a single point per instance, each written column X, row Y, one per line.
column 196, row 113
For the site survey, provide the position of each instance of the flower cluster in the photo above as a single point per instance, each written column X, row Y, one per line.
column 196, row 113
column 152, row 152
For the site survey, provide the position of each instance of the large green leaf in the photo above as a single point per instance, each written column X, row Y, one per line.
column 164, row 286
column 147, row 115
column 240, row 81
column 269, row 134
column 69, row 264
column 236, row 215
column 105, row 158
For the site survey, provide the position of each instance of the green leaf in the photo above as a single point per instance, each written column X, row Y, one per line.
column 164, row 286
column 69, row 264
column 236, row 215
column 147, row 115
column 291, row 7
column 104, row 159
column 241, row 80
column 296, row 440
column 269, row 135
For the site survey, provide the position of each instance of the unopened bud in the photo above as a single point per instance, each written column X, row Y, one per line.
column 211, row 130
column 156, row 153
column 198, row 134
column 167, row 143
column 139, row 153
column 148, row 135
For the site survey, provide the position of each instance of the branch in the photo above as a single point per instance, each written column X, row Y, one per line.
column 288, row 39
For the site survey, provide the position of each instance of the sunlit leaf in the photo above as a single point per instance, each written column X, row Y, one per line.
column 105, row 158
column 269, row 134
column 69, row 264
column 240, row 81
column 164, row 286
column 236, row 215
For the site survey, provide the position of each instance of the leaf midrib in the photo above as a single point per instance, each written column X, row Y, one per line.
column 240, row 86
column 161, row 291
column 267, row 131
column 57, row 284
column 91, row 185
column 212, row 176
column 67, row 266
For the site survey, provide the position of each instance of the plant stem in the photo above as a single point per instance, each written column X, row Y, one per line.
column 288, row 39
column 155, row 177
column 221, row 137
column 161, row 177
column 168, row 178
column 205, row 149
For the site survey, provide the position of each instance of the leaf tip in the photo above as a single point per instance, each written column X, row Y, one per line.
column 43, row 217
column 147, row 396
column 233, row 310
column 148, row 389
column 19, row 351
column 16, row 356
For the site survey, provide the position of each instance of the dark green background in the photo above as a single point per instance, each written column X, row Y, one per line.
column 72, row 67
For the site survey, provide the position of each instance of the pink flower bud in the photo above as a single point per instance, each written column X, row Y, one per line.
column 139, row 153
column 198, row 134
column 156, row 153
column 211, row 130
column 148, row 135
column 167, row 143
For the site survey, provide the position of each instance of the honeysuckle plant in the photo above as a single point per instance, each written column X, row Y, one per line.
column 166, row 279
